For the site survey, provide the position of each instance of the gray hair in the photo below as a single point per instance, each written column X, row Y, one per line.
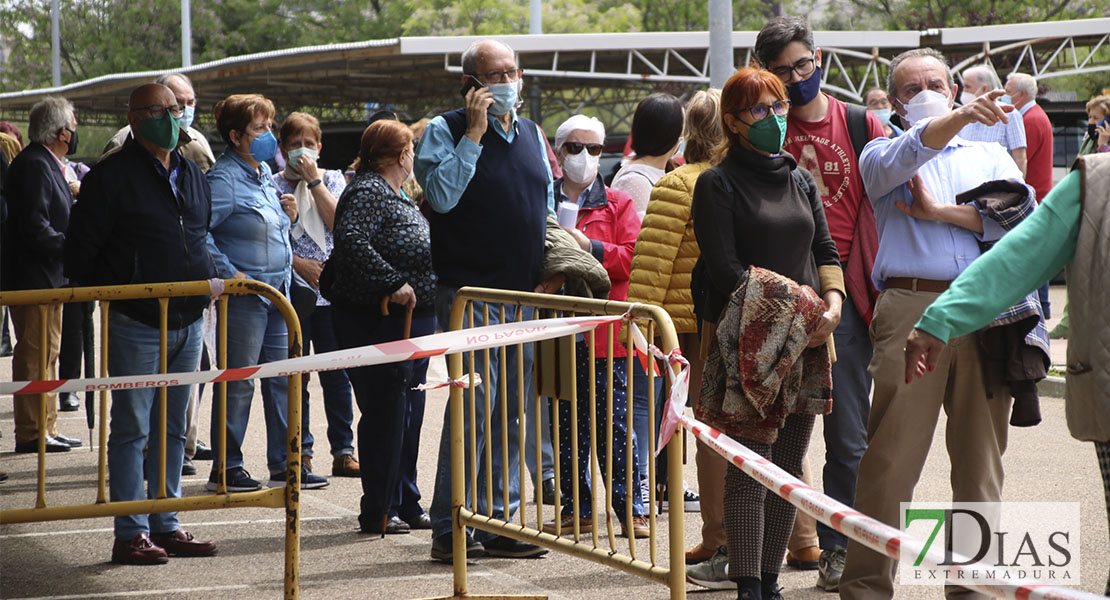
column 983, row 74
column 916, row 52
column 470, row 55
column 1025, row 83
column 47, row 117
column 168, row 77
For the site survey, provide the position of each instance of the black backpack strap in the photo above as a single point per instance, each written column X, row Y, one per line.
column 857, row 127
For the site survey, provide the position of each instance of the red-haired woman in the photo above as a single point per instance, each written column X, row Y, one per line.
column 383, row 250
column 756, row 208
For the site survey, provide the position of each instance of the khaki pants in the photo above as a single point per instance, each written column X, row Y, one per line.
column 804, row 534
column 900, row 431
column 26, row 366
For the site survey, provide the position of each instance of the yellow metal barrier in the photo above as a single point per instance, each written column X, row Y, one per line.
column 657, row 322
column 287, row 497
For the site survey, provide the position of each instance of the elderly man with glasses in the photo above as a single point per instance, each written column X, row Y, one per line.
column 143, row 218
column 485, row 174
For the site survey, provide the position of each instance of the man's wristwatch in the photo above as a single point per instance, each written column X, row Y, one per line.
column 314, row 183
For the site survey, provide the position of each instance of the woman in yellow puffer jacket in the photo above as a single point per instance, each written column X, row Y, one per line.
column 666, row 251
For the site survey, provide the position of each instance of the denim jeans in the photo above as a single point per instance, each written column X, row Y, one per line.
column 392, row 414
column 846, row 425
column 256, row 333
column 317, row 331
column 440, row 511
column 640, row 423
column 133, row 349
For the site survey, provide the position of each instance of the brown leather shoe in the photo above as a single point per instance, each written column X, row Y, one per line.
column 640, row 527
column 139, row 551
column 699, row 554
column 182, row 543
column 345, row 465
column 804, row 559
column 585, row 525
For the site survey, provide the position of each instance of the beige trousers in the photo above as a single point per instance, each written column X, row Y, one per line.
column 27, row 363
column 900, row 432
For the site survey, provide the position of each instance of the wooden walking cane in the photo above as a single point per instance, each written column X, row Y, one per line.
column 405, row 335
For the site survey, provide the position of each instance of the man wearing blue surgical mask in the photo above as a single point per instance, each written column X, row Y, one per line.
column 825, row 136
column 486, row 176
column 926, row 239
column 191, row 143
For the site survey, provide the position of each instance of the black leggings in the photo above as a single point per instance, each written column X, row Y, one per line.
column 758, row 524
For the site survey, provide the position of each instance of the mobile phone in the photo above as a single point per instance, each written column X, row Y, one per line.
column 471, row 83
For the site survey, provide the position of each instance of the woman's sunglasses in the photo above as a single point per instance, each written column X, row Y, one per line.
column 576, row 147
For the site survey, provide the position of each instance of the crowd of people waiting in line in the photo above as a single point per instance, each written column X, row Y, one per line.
column 846, row 236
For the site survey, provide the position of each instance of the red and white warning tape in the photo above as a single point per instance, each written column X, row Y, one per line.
column 450, row 342
column 878, row 536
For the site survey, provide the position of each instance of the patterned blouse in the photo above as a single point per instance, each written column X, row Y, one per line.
column 303, row 246
column 381, row 242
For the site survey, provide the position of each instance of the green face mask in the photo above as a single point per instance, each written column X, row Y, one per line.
column 768, row 134
column 161, row 131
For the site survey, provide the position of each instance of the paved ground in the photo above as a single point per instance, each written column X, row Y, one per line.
column 70, row 559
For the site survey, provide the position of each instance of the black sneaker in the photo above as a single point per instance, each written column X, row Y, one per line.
column 309, row 480
column 443, row 551
column 238, row 480
column 507, row 547
column 188, row 468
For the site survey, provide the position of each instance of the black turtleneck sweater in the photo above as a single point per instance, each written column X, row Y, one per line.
column 761, row 217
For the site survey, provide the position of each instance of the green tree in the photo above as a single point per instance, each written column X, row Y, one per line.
column 927, row 14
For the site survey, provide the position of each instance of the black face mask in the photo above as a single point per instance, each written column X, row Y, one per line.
column 71, row 145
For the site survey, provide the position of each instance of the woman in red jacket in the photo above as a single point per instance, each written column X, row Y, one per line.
column 606, row 226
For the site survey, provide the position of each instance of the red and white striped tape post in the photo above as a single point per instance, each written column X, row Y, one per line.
column 449, row 342
column 876, row 535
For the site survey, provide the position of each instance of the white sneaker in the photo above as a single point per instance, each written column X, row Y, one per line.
column 712, row 573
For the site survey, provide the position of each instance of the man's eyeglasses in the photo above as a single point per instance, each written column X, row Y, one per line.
column 803, row 67
column 761, row 111
column 499, row 76
column 157, row 110
column 576, row 147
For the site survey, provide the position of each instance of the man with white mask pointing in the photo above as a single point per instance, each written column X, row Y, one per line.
column 925, row 240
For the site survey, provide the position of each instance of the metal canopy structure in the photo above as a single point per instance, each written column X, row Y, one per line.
column 566, row 73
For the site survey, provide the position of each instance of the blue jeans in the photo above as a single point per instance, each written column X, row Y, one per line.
column 133, row 349
column 640, row 422
column 440, row 511
column 619, row 428
column 317, row 331
column 846, row 425
column 256, row 333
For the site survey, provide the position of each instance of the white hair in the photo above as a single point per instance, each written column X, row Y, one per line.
column 1024, row 83
column 48, row 116
column 578, row 122
column 984, row 75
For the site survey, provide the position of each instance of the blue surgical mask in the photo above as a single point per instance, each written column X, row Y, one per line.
column 504, row 96
column 883, row 114
column 187, row 118
column 264, row 147
column 1005, row 99
column 804, row 92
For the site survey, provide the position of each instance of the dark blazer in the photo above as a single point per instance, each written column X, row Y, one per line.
column 39, row 202
column 130, row 227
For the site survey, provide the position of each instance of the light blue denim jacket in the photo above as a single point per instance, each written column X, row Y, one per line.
column 249, row 231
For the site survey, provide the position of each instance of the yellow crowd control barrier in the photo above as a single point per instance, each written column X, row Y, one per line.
column 287, row 497
column 555, row 377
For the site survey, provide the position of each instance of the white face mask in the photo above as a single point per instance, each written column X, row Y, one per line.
column 925, row 104
column 967, row 98
column 411, row 171
column 582, row 167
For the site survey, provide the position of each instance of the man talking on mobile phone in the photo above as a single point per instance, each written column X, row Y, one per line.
column 485, row 175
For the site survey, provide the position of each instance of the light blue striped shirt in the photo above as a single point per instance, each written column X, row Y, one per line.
column 1011, row 135
column 910, row 247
